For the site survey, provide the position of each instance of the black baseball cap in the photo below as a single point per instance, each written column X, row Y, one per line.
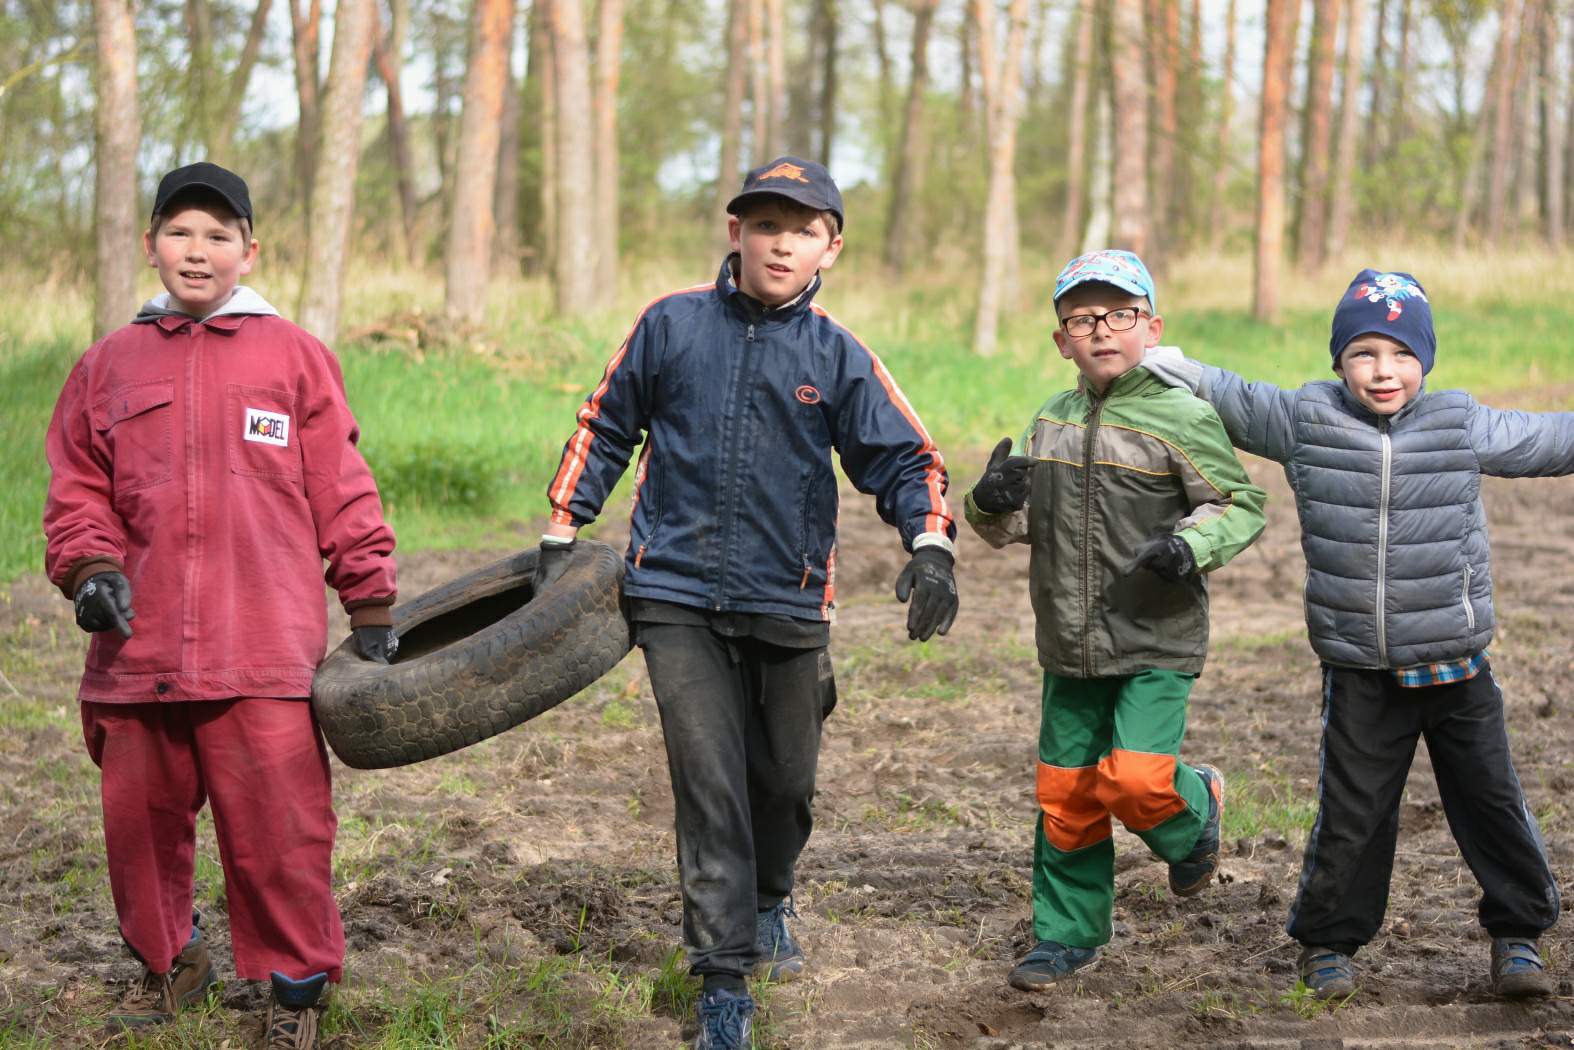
column 798, row 180
column 203, row 175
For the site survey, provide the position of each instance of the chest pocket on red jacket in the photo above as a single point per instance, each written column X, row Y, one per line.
column 137, row 423
column 260, row 432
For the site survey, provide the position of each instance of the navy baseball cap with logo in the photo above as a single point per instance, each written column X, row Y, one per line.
column 798, row 180
column 203, row 175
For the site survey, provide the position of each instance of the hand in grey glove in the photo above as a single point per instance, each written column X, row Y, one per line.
column 1003, row 487
column 103, row 601
column 376, row 642
column 928, row 580
column 1168, row 556
column 552, row 560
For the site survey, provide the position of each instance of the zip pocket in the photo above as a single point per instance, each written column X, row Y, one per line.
column 1464, row 598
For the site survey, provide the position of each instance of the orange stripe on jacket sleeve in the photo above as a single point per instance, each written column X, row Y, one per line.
column 575, row 456
column 939, row 515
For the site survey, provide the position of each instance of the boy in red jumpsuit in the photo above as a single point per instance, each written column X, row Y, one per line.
column 203, row 462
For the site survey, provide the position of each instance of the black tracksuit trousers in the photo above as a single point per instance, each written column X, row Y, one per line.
column 741, row 718
column 1370, row 727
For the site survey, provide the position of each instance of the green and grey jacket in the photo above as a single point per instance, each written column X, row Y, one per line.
column 1113, row 472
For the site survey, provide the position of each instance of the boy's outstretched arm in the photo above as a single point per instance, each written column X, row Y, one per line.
column 1259, row 417
column 888, row 454
column 996, row 508
column 83, row 534
column 1226, row 508
column 1513, row 444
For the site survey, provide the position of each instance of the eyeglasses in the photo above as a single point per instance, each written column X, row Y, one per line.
column 1080, row 326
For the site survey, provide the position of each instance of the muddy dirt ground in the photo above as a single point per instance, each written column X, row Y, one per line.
column 547, row 852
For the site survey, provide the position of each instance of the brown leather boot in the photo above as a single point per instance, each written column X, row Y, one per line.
column 293, row 1009
column 158, row 996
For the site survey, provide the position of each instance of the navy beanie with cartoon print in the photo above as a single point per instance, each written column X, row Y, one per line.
column 1391, row 304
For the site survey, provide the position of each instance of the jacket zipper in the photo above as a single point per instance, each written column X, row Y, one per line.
column 1087, row 533
column 726, row 540
column 1382, row 543
column 1470, row 614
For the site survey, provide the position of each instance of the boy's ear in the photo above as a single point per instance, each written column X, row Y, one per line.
column 250, row 258
column 832, row 250
column 147, row 246
column 1059, row 335
column 1155, row 331
column 735, row 232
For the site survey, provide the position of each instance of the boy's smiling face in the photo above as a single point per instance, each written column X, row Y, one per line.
column 780, row 245
column 1382, row 373
column 1103, row 355
column 200, row 254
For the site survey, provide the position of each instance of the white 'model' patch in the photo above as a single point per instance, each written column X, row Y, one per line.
column 271, row 428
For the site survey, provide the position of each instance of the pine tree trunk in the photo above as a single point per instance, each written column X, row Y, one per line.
column 1166, row 43
column 727, row 172
column 1101, row 173
column 759, row 85
column 1002, row 85
column 828, row 78
column 574, row 268
column 1377, row 115
column 505, row 199
column 480, row 132
column 306, row 48
column 907, row 182
column 1221, row 162
column 1341, row 195
column 388, row 57
column 333, row 188
column 199, row 67
column 1077, row 130
column 1399, row 123
column 1316, row 132
column 1502, row 123
column 1527, row 100
column 1130, row 97
column 777, row 63
column 116, row 135
column 546, row 55
column 224, row 132
column 609, row 58
column 1554, row 102
column 1278, row 55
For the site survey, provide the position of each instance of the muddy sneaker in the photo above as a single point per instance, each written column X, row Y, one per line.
column 158, row 996
column 1048, row 962
column 726, row 1021
column 780, row 958
column 291, row 1023
column 1327, row 974
column 1517, row 969
column 1192, row 875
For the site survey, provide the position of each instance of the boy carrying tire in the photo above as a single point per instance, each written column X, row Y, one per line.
column 742, row 388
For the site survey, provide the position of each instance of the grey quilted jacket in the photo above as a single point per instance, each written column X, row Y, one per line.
column 1398, row 567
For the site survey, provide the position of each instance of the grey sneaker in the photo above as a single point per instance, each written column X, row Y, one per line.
column 1048, row 962
column 1192, row 875
column 291, row 1023
column 159, row 996
column 726, row 1021
column 1518, row 971
column 1326, row 973
column 780, row 958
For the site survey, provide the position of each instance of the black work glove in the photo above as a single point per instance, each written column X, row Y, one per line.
column 1168, row 556
column 1004, row 484
column 551, row 562
column 103, row 601
column 927, row 579
column 376, row 642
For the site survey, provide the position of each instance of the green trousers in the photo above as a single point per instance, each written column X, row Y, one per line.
column 1108, row 746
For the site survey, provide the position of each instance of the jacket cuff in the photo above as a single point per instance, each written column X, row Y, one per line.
column 1201, row 549
column 371, row 612
column 934, row 539
column 89, row 566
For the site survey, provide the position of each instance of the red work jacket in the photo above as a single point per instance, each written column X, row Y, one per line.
column 214, row 463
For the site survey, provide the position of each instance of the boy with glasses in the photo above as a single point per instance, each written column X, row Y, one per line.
column 1387, row 479
column 1127, row 492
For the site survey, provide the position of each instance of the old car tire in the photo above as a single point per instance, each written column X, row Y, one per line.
column 476, row 656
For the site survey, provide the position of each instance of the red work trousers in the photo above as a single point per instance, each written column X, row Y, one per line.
column 263, row 765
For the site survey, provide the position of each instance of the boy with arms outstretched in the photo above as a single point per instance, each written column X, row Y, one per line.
column 1387, row 481
column 1127, row 492
column 203, row 459
column 742, row 389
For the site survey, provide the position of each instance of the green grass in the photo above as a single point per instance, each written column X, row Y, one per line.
column 1264, row 800
column 464, row 431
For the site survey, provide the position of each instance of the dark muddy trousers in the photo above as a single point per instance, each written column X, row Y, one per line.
column 741, row 720
column 1370, row 727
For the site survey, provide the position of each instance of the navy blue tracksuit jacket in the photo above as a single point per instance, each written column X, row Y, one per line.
column 735, row 502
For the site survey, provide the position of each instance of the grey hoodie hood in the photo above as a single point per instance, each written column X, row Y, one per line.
column 241, row 301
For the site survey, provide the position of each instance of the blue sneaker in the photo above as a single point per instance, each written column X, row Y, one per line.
column 1048, row 962
column 780, row 958
column 1326, row 973
column 726, row 1021
column 1517, row 969
column 1192, row 875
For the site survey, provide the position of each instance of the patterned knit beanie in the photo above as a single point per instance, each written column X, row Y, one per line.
column 1391, row 304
